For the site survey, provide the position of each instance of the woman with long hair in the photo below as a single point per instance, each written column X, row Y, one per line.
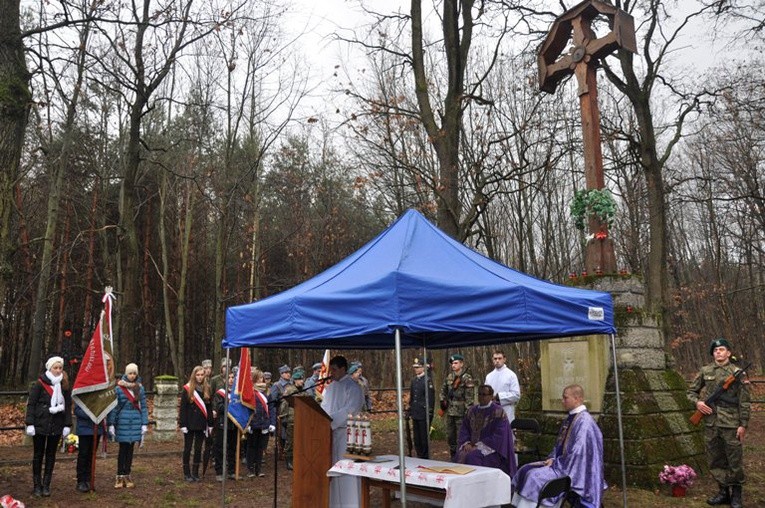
column 263, row 422
column 128, row 422
column 195, row 420
column 49, row 416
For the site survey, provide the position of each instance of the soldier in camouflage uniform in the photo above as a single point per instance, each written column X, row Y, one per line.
column 287, row 413
column 725, row 423
column 457, row 395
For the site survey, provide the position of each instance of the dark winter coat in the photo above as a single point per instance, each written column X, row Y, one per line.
column 126, row 418
column 38, row 409
column 190, row 416
column 262, row 419
column 85, row 424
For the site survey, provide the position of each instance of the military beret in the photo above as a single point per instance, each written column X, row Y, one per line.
column 298, row 374
column 455, row 357
column 719, row 342
column 206, row 363
column 284, row 368
column 298, row 367
column 316, row 365
column 225, row 362
column 266, row 375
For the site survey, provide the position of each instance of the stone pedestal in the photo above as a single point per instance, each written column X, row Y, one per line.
column 165, row 408
column 655, row 409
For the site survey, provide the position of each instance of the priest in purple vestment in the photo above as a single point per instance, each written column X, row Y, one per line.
column 578, row 453
column 485, row 438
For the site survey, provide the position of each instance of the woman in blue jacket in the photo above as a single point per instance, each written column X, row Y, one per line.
column 263, row 422
column 128, row 422
column 87, row 444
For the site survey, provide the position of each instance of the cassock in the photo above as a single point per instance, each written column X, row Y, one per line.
column 578, row 453
column 488, row 429
column 341, row 398
column 507, row 389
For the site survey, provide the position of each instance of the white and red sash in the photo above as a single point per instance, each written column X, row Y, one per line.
column 221, row 392
column 197, row 399
column 263, row 400
column 131, row 398
column 48, row 388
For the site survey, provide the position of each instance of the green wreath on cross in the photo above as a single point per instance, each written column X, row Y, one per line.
column 597, row 202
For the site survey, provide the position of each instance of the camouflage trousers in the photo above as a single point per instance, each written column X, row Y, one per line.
column 453, row 424
column 289, row 432
column 724, row 455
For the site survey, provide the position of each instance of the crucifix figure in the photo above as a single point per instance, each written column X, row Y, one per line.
column 582, row 60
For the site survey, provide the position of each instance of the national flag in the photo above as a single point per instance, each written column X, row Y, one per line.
column 323, row 373
column 242, row 393
column 93, row 389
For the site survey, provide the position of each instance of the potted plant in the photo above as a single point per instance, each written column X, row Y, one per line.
column 679, row 477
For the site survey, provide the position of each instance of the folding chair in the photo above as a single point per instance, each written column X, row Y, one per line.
column 554, row 488
column 532, row 426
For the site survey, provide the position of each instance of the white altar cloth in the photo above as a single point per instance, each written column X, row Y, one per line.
column 485, row 486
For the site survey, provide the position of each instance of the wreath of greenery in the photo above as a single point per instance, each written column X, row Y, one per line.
column 597, row 202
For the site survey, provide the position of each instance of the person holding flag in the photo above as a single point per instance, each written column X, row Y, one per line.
column 49, row 416
column 94, row 394
column 195, row 420
column 128, row 422
column 262, row 423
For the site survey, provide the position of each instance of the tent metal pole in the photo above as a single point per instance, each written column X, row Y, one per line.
column 427, row 397
column 619, row 418
column 225, row 428
column 400, row 405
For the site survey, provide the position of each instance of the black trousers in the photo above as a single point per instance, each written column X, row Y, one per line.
column 420, row 431
column 195, row 438
column 125, row 458
column 85, row 456
column 233, row 435
column 44, row 446
column 256, row 445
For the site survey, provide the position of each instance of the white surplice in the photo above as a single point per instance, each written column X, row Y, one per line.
column 341, row 398
column 507, row 388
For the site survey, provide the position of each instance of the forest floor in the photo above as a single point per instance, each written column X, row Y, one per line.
column 159, row 481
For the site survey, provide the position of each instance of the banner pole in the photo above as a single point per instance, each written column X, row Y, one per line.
column 93, row 453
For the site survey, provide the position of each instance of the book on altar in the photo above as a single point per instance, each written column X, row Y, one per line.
column 452, row 469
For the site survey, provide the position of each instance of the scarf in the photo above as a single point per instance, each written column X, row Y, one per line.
column 57, row 398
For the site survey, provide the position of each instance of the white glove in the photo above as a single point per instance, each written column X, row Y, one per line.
column 271, row 429
column 185, row 430
column 30, row 430
column 144, row 429
column 264, row 431
column 208, row 432
column 112, row 432
column 66, row 431
column 248, row 430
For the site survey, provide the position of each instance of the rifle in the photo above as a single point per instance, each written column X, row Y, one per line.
column 408, row 431
column 698, row 415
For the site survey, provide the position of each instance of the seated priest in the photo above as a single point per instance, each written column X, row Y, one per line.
column 578, row 453
column 485, row 438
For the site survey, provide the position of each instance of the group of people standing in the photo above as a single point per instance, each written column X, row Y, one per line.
column 49, row 419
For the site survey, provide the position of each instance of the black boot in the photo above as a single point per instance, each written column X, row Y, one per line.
column 195, row 473
column 735, row 498
column 37, row 492
column 46, row 485
column 187, row 473
column 722, row 497
column 83, row 487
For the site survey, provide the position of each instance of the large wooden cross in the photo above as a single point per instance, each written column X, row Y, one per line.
column 575, row 25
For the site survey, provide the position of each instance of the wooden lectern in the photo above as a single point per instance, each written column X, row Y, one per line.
column 311, row 453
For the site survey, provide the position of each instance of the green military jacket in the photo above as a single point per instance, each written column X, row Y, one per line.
column 287, row 413
column 733, row 408
column 459, row 391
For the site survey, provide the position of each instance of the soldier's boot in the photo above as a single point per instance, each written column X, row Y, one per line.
column 119, row 481
column 195, row 472
column 722, row 497
column 187, row 473
column 735, row 498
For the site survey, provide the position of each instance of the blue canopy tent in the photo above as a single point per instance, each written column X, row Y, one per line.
column 414, row 286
